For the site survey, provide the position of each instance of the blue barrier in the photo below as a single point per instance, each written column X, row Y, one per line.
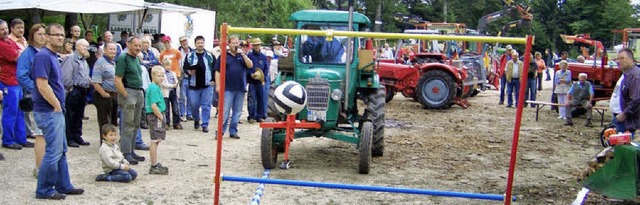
column 258, row 194
column 495, row 197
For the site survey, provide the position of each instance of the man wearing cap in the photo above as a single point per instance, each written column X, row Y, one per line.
column 258, row 78
column 199, row 68
column 235, row 81
column 580, row 95
column 185, row 110
column 506, row 57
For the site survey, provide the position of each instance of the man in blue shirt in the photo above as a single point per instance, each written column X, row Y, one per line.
column 48, row 100
column 318, row 50
column 235, row 81
column 257, row 96
column 580, row 95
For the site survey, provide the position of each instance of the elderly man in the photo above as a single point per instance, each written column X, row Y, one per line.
column 13, row 127
column 17, row 33
column 128, row 82
column 513, row 73
column 580, row 95
column 75, row 33
column 108, row 38
column 257, row 95
column 76, row 80
column 629, row 91
column 48, row 100
column 199, row 67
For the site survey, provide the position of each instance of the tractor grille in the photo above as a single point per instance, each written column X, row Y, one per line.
column 318, row 94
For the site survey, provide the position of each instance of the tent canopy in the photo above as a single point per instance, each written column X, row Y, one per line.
column 74, row 6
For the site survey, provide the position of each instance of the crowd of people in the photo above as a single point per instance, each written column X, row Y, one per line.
column 140, row 82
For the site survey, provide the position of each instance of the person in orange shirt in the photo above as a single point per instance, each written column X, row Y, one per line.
column 541, row 67
column 173, row 54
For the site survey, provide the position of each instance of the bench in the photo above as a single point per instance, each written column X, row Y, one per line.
column 541, row 104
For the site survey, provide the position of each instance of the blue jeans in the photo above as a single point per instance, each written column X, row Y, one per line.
column 514, row 84
column 530, row 93
column 503, row 83
column 119, row 175
column 255, row 102
column 201, row 99
column 172, row 109
column 13, row 127
column 233, row 101
column 54, row 171
column 185, row 110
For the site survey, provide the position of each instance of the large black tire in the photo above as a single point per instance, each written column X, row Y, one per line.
column 364, row 147
column 436, row 90
column 389, row 93
column 374, row 112
column 268, row 150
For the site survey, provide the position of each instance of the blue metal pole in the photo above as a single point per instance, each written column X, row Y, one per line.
column 495, row 197
column 257, row 196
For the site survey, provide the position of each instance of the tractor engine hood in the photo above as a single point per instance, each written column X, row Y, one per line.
column 326, row 73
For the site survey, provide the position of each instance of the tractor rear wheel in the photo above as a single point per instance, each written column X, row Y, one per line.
column 268, row 149
column 436, row 90
column 389, row 93
column 374, row 112
column 364, row 147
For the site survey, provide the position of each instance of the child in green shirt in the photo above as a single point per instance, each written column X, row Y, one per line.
column 155, row 108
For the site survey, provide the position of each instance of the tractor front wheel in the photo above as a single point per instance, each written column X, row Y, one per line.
column 389, row 93
column 268, row 150
column 364, row 147
column 374, row 112
column 436, row 90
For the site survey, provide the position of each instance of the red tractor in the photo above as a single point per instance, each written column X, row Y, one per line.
column 431, row 79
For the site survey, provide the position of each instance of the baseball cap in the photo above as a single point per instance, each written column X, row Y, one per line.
column 182, row 38
column 166, row 38
column 509, row 47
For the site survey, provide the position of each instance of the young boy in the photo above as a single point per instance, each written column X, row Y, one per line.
column 169, row 86
column 155, row 107
column 116, row 168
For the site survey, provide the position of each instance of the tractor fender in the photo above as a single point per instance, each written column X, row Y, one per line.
column 455, row 73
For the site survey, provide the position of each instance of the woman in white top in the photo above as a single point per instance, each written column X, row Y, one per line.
column 562, row 81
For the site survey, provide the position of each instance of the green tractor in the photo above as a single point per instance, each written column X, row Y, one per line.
column 335, row 77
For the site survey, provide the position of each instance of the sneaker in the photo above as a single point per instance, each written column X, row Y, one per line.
column 13, row 146
column 183, row 119
column 251, row 121
column 196, row 125
column 158, row 170
column 83, row 143
column 234, row 136
column 131, row 160
column 54, row 196
column 177, row 127
column 261, row 120
column 162, row 166
column 189, row 118
column 560, row 117
column 137, row 157
column 144, row 126
column 27, row 144
column 205, row 129
column 102, row 178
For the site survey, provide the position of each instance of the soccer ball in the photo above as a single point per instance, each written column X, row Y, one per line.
column 290, row 98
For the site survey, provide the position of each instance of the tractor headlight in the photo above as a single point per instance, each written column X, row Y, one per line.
column 336, row 94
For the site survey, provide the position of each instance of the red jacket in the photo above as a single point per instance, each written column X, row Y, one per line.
column 9, row 53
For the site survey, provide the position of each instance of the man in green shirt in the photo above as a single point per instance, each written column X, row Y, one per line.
column 128, row 82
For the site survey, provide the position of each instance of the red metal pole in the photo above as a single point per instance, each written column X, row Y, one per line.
column 223, row 74
column 516, row 129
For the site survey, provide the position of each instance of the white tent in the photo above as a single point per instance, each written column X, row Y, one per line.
column 74, row 6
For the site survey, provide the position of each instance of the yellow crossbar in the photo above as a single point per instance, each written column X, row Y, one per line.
column 331, row 33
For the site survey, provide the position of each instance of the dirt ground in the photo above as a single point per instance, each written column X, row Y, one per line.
column 465, row 150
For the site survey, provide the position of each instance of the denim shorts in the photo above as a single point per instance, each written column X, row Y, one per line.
column 157, row 128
